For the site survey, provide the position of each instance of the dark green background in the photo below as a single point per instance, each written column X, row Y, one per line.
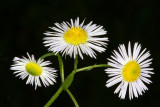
column 23, row 23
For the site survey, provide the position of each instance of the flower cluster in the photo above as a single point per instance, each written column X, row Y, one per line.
column 128, row 67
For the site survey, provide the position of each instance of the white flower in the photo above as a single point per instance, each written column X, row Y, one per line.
column 75, row 38
column 36, row 71
column 130, row 69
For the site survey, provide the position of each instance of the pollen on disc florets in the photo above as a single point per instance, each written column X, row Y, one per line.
column 131, row 71
column 33, row 69
column 75, row 36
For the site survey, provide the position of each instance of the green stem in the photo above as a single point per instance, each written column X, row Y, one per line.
column 72, row 97
column 62, row 79
column 68, row 81
column 61, row 67
column 60, row 63
column 47, row 55
column 91, row 67
column 75, row 63
column 54, row 97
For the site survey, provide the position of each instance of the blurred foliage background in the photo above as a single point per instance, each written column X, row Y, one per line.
column 23, row 23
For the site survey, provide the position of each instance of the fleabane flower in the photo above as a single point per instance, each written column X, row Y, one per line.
column 37, row 72
column 76, row 38
column 130, row 69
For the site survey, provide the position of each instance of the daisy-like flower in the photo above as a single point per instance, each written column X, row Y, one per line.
column 130, row 69
column 75, row 38
column 36, row 71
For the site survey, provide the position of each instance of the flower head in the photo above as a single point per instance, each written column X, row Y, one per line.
column 36, row 71
column 131, row 69
column 75, row 38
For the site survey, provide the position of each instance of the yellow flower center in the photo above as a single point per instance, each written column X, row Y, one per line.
column 131, row 71
column 33, row 69
column 75, row 36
